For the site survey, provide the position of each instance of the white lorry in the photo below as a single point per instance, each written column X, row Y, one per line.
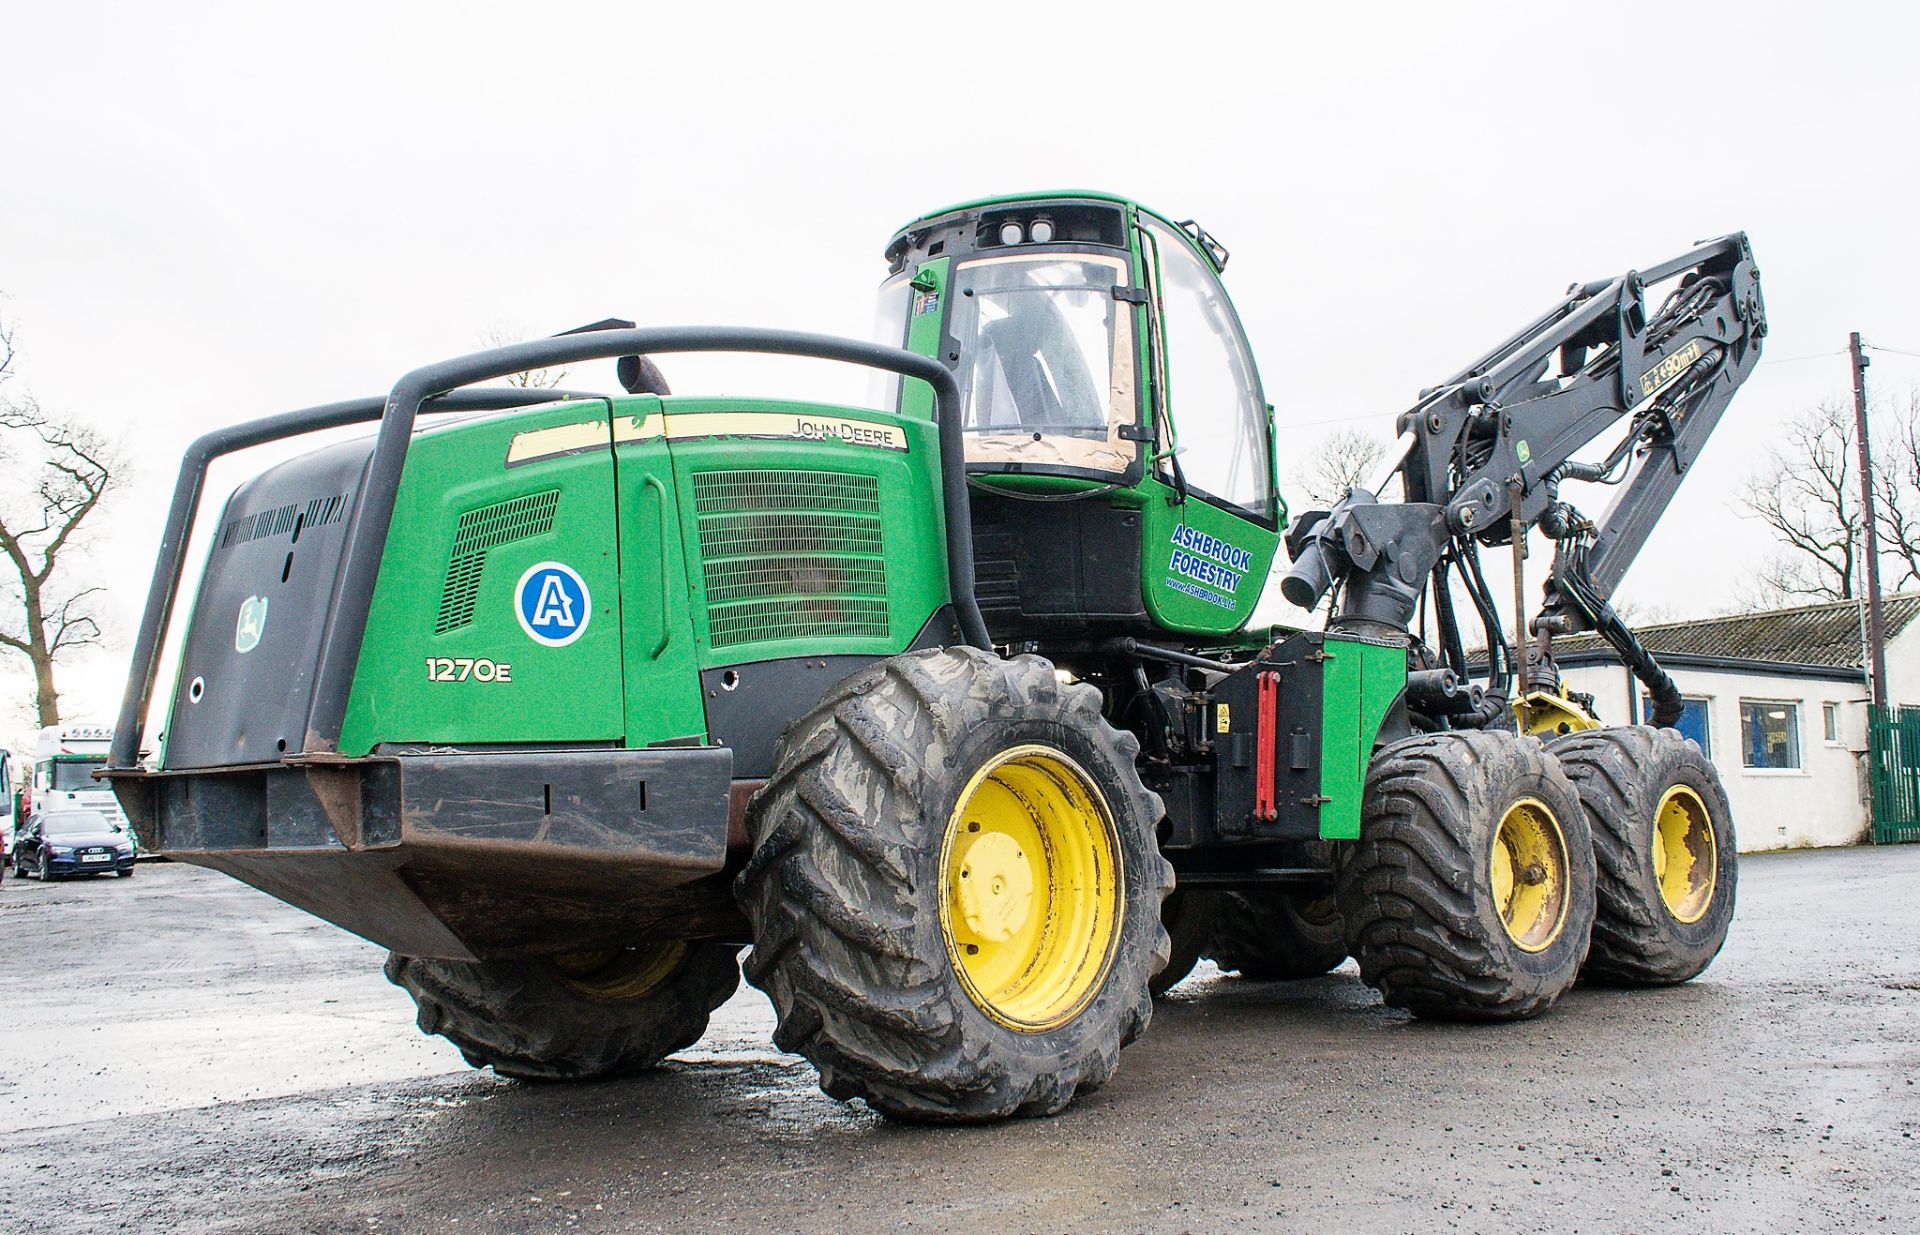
column 64, row 760
column 9, row 806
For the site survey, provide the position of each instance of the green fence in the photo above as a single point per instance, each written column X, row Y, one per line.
column 1893, row 756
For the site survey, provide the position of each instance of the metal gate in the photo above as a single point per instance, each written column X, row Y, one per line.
column 1893, row 757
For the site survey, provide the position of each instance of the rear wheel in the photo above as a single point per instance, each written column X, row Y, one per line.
column 1189, row 918
column 954, row 890
column 575, row 1017
column 1664, row 846
column 1470, row 895
column 1272, row 934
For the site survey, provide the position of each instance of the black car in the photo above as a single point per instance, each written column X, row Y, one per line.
column 72, row 842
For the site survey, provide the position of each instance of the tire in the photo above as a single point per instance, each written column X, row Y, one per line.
column 1189, row 918
column 46, row 869
column 1444, row 817
column 1273, row 935
column 124, row 874
column 571, row 1019
column 1644, row 935
column 863, row 927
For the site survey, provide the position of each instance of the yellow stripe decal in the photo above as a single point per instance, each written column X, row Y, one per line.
column 845, row 430
column 558, row 440
column 787, row 426
column 636, row 428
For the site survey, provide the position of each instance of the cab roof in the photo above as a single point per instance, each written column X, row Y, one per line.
column 1085, row 195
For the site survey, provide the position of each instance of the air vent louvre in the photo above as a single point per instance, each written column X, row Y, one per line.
column 478, row 532
column 791, row 554
column 280, row 520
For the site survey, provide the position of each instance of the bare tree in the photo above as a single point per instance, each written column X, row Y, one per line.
column 62, row 471
column 538, row 379
column 1896, row 490
column 1806, row 493
column 1342, row 460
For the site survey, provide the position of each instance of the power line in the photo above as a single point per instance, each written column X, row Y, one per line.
column 1898, row 351
column 1808, row 356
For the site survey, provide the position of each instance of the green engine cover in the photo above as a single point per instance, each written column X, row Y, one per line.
column 1359, row 683
column 565, row 574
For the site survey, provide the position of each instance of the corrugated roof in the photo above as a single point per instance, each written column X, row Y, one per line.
column 1826, row 634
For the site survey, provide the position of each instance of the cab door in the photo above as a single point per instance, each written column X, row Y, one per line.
column 1207, row 557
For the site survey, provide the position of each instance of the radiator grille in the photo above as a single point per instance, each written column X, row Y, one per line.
column 479, row 531
column 789, row 555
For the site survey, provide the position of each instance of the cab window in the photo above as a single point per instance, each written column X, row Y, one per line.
column 889, row 330
column 1213, row 392
column 70, row 775
column 1048, row 380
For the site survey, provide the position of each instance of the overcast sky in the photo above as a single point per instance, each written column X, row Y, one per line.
column 210, row 212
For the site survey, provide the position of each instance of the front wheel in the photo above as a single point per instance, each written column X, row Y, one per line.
column 46, row 869
column 954, row 890
column 569, row 1018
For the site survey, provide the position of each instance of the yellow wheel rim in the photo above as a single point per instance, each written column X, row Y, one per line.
column 620, row 974
column 1030, row 888
column 1685, row 856
column 1530, row 874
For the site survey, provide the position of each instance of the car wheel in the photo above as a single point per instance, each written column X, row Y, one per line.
column 46, row 869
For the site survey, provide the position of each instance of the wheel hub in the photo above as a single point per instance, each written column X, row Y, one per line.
column 1685, row 856
column 620, row 975
column 1529, row 872
column 1030, row 888
column 996, row 886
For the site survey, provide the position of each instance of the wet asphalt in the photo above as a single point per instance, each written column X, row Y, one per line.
column 184, row 1054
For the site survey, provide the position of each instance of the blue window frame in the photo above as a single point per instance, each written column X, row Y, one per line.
column 1769, row 733
column 1693, row 722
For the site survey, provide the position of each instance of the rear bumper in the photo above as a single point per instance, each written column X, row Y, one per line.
column 465, row 855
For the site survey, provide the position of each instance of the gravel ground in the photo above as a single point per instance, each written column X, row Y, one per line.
column 184, row 1054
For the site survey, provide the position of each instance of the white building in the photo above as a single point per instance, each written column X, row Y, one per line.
column 1779, row 702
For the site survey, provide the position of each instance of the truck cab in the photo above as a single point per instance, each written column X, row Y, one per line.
column 65, row 758
column 9, row 804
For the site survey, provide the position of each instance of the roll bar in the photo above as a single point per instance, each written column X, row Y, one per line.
column 436, row 389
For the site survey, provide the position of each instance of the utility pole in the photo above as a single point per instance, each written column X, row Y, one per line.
column 1876, row 627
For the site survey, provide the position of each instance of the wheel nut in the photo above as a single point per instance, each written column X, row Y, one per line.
column 1534, row 875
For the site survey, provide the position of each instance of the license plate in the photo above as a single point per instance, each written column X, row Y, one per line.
column 96, row 857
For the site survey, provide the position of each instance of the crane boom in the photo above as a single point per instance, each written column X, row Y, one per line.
column 1483, row 454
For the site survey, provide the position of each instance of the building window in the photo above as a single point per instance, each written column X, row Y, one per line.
column 1769, row 733
column 1693, row 721
column 1830, row 723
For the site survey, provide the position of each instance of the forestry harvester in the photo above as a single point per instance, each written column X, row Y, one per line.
column 565, row 699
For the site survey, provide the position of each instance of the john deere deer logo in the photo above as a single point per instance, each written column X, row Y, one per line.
column 252, row 624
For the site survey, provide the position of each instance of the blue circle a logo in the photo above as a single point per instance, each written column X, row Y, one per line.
column 553, row 604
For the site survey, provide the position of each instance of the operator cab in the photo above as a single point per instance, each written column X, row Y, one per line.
column 1103, row 371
